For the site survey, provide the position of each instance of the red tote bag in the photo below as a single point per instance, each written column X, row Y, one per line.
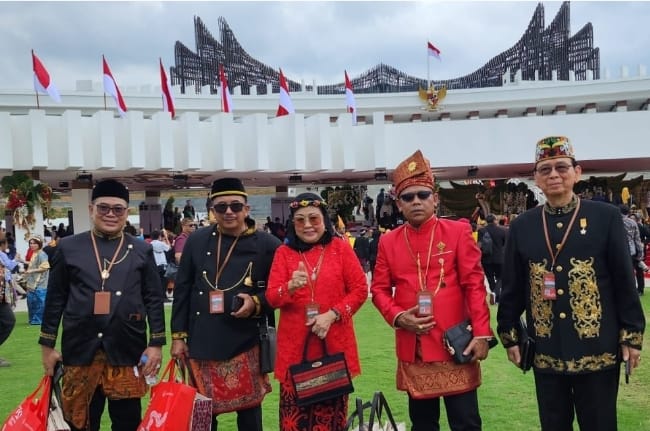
column 32, row 413
column 170, row 407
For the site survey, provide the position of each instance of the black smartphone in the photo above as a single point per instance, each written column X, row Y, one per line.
column 628, row 371
column 236, row 303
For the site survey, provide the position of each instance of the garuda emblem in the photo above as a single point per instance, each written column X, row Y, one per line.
column 432, row 97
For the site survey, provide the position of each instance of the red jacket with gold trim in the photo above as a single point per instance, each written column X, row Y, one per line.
column 462, row 295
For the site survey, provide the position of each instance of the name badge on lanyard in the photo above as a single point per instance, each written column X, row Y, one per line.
column 425, row 303
column 549, row 291
column 102, row 303
column 311, row 311
column 216, row 302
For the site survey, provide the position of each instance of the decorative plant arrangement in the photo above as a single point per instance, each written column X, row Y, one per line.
column 23, row 196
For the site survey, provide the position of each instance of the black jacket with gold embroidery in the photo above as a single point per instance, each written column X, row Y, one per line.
column 220, row 336
column 597, row 306
column 135, row 298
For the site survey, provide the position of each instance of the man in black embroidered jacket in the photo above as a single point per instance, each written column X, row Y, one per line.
column 221, row 265
column 567, row 266
column 104, row 286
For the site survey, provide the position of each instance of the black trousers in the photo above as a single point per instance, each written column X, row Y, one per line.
column 493, row 275
column 247, row 420
column 7, row 321
column 125, row 415
column 640, row 276
column 163, row 280
column 591, row 396
column 462, row 413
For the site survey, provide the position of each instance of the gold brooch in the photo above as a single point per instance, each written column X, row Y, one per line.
column 411, row 167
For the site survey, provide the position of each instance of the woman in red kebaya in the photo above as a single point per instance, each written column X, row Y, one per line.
column 318, row 284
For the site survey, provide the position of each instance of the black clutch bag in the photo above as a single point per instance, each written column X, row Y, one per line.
column 526, row 347
column 457, row 339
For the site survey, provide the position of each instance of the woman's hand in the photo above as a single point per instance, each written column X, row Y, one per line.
column 298, row 278
column 320, row 325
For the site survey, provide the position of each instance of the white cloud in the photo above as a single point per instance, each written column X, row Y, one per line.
column 309, row 40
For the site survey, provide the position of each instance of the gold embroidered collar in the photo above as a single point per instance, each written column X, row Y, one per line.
column 562, row 210
column 103, row 235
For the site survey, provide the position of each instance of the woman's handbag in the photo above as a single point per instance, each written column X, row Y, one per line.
column 526, row 347
column 268, row 346
column 457, row 339
column 171, row 404
column 376, row 408
column 32, row 413
column 320, row 379
column 55, row 420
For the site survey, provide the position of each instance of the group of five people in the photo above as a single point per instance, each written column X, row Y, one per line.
column 564, row 268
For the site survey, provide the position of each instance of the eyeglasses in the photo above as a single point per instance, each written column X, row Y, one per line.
column 560, row 168
column 222, row 207
column 103, row 209
column 423, row 195
column 190, row 225
column 313, row 219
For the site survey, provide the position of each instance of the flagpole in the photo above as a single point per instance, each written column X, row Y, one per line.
column 428, row 68
column 38, row 106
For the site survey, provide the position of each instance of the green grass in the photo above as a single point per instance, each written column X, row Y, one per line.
column 507, row 397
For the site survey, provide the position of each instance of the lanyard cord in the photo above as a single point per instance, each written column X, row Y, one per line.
column 315, row 271
column 566, row 234
column 105, row 273
column 417, row 260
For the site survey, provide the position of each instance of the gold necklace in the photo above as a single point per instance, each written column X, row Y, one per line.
column 106, row 272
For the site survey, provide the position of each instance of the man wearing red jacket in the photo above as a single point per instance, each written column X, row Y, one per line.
column 434, row 266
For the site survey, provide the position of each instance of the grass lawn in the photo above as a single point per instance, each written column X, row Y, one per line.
column 507, row 397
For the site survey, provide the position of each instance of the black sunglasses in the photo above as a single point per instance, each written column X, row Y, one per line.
column 222, row 207
column 422, row 195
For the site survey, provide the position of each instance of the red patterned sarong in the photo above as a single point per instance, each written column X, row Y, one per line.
column 233, row 384
column 328, row 415
column 435, row 379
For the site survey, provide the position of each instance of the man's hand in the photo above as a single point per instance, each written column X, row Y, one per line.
column 245, row 310
column 631, row 354
column 179, row 349
column 49, row 357
column 478, row 347
column 514, row 355
column 411, row 322
column 154, row 360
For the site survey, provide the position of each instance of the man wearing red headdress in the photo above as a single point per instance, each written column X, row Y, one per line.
column 434, row 266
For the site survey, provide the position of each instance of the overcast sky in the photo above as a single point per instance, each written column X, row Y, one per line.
column 308, row 40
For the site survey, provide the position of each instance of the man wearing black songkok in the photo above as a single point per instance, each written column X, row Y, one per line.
column 219, row 300
column 104, row 286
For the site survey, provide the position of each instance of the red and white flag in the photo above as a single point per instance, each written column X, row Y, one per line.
column 110, row 87
column 349, row 99
column 226, row 100
column 167, row 98
column 433, row 51
column 42, row 82
column 286, row 105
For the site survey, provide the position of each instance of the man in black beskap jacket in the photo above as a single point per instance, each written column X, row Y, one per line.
column 219, row 301
column 493, row 262
column 104, row 287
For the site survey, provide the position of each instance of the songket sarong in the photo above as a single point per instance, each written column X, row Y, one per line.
column 234, row 384
column 328, row 415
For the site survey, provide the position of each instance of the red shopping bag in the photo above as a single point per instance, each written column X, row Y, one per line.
column 170, row 407
column 32, row 413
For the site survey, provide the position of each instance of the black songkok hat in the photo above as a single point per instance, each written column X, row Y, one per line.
column 110, row 188
column 226, row 187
